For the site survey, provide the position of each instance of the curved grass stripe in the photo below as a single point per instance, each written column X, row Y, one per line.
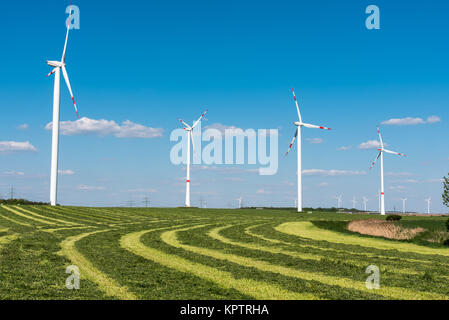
column 68, row 217
column 93, row 217
column 215, row 234
column 44, row 217
column 15, row 221
column 7, row 239
column 170, row 238
column 28, row 216
column 67, row 228
column 256, row 289
column 308, row 230
column 321, row 248
column 87, row 269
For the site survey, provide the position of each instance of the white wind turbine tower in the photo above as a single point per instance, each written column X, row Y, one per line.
column 58, row 67
column 354, row 202
column 189, row 130
column 365, row 200
column 428, row 204
column 381, row 155
column 240, row 202
column 403, row 205
column 338, row 201
column 299, row 124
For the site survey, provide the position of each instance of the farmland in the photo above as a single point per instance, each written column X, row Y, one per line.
column 140, row 253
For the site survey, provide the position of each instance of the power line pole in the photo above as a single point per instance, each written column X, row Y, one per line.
column 146, row 200
column 11, row 192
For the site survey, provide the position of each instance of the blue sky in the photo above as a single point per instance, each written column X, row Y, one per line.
column 151, row 63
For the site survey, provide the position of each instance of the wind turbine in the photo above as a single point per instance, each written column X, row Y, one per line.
column 338, row 201
column 365, row 200
column 428, row 205
column 299, row 124
column 381, row 155
column 189, row 130
column 403, row 205
column 354, row 202
column 240, row 202
column 58, row 66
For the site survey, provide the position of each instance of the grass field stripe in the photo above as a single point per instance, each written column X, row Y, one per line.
column 215, row 234
column 89, row 271
column 67, row 228
column 68, row 217
column 308, row 230
column 321, row 248
column 4, row 240
column 44, row 217
column 258, row 290
column 79, row 212
column 15, row 221
column 170, row 238
column 28, row 216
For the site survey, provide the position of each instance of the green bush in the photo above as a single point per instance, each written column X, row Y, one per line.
column 393, row 217
column 447, row 224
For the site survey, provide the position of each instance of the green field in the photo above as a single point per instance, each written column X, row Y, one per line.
column 137, row 253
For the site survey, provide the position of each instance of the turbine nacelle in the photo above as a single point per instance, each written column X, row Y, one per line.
column 56, row 64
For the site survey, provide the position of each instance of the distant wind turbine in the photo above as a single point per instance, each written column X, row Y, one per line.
column 58, row 67
column 354, row 202
column 365, row 200
column 338, row 201
column 428, row 204
column 299, row 124
column 403, row 205
column 189, row 130
column 240, row 202
column 381, row 155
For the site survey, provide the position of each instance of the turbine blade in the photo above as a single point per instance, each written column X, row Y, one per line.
column 66, row 37
column 380, row 137
column 52, row 71
column 66, row 78
column 297, row 106
column 193, row 142
column 378, row 155
column 185, row 124
column 396, row 153
column 291, row 143
column 197, row 121
column 307, row 125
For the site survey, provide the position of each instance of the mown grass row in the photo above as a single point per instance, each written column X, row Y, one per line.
column 204, row 254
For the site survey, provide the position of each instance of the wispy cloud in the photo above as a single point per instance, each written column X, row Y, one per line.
column 14, row 146
column 102, row 127
column 89, row 188
column 398, row 174
column 314, row 140
column 332, row 173
column 24, row 126
column 371, row 144
column 140, row 190
column 66, row 172
column 344, row 148
column 14, row 173
column 409, row 121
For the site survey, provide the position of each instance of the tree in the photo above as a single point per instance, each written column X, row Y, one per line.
column 446, row 190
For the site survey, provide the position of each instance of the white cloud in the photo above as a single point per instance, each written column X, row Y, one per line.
column 323, row 184
column 102, row 127
column 332, row 173
column 371, row 144
column 14, row 173
column 140, row 190
column 397, row 188
column 315, row 140
column 13, row 146
column 398, row 174
column 344, row 148
column 262, row 191
column 66, row 172
column 24, row 126
column 409, row 121
column 89, row 188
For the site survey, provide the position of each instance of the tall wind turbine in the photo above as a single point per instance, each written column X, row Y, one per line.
column 189, row 130
column 382, row 150
column 403, row 205
column 240, row 202
column 428, row 204
column 338, row 201
column 299, row 124
column 365, row 200
column 58, row 66
column 354, row 202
